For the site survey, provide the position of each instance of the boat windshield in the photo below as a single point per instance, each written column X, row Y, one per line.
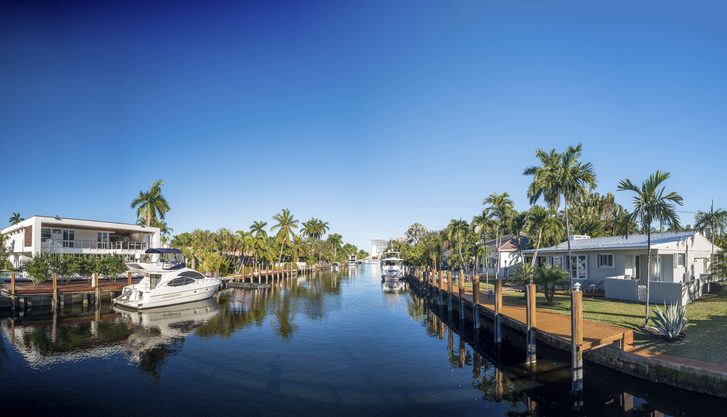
column 391, row 262
column 166, row 260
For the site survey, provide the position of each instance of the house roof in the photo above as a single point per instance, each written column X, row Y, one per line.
column 618, row 242
column 508, row 243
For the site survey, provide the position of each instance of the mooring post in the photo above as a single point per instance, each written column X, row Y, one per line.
column 97, row 293
column 530, row 324
column 12, row 294
column 498, row 310
column 475, row 302
column 461, row 295
column 129, row 278
column 54, row 295
column 577, row 339
column 449, row 290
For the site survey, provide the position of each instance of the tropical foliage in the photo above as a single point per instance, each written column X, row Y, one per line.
column 41, row 266
column 670, row 321
column 288, row 240
column 15, row 219
column 652, row 203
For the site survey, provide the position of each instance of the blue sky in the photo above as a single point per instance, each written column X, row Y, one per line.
column 370, row 115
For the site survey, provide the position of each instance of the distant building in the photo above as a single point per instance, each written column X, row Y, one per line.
column 44, row 234
column 378, row 246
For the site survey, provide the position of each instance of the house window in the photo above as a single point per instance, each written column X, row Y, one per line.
column 69, row 236
column 578, row 267
column 681, row 260
column 605, row 260
column 556, row 261
column 44, row 234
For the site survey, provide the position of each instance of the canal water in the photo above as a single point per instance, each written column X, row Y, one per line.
column 322, row 345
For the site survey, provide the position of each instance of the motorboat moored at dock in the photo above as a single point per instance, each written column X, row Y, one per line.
column 167, row 281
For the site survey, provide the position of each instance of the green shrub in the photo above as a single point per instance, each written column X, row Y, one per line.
column 548, row 277
column 39, row 268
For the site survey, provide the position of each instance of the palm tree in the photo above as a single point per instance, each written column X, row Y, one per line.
column 543, row 228
column 286, row 224
column 652, row 204
column 456, row 236
column 714, row 220
column 518, row 225
column 335, row 240
column 151, row 204
column 501, row 207
column 560, row 176
column 483, row 224
column 258, row 228
column 15, row 219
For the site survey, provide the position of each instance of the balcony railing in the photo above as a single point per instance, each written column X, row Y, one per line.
column 53, row 245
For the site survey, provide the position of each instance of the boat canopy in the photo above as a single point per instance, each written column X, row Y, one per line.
column 163, row 250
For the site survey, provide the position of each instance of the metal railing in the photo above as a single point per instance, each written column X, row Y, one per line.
column 59, row 245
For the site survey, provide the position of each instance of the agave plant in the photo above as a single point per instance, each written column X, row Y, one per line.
column 671, row 321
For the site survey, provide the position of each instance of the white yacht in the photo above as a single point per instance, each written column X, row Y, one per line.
column 335, row 266
column 352, row 260
column 392, row 266
column 167, row 281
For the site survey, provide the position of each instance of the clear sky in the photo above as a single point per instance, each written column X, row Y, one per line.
column 370, row 115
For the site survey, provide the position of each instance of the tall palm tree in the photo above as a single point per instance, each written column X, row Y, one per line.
column 543, row 228
column 258, row 228
column 335, row 240
column 457, row 238
column 15, row 219
column 501, row 208
column 151, row 204
column 285, row 225
column 484, row 225
column 518, row 225
column 652, row 204
column 715, row 220
column 561, row 175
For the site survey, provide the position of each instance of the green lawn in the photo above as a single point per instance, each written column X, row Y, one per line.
column 706, row 333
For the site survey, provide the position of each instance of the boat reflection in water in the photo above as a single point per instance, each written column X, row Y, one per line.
column 163, row 329
column 146, row 337
column 393, row 286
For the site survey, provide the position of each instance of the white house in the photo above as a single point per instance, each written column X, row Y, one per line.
column 508, row 255
column 617, row 265
column 44, row 234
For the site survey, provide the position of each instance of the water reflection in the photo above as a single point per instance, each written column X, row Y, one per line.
column 327, row 344
column 500, row 375
column 148, row 338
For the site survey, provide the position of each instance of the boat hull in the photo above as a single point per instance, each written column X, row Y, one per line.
column 168, row 298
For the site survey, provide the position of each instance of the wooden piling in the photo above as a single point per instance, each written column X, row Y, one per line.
column 129, row 279
column 577, row 338
column 449, row 290
column 530, row 324
column 12, row 294
column 476, row 302
column 461, row 295
column 54, row 294
column 97, row 292
column 498, row 311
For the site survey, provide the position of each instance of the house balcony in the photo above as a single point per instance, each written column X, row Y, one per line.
column 93, row 247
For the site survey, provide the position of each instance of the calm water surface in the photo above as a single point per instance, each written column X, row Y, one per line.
column 331, row 344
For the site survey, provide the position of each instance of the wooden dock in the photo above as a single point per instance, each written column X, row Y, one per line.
column 595, row 334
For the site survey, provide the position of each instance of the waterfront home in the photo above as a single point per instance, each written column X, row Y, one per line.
column 616, row 265
column 508, row 255
column 45, row 234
